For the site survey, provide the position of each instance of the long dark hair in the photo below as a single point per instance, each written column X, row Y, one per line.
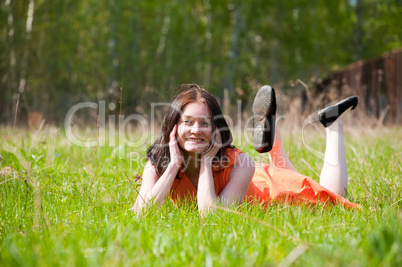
column 158, row 153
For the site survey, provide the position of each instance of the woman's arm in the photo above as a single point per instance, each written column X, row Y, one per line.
column 206, row 196
column 155, row 188
column 239, row 180
column 233, row 194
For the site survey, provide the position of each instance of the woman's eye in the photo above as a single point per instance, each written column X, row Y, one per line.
column 206, row 123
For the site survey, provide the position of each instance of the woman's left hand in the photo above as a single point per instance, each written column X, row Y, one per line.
column 216, row 144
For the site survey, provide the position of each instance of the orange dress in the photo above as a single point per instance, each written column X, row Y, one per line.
column 269, row 184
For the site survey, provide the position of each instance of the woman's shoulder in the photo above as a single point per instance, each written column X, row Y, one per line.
column 233, row 152
column 241, row 160
column 235, row 156
column 243, row 167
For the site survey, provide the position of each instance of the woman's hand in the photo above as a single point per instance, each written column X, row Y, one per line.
column 216, row 144
column 176, row 157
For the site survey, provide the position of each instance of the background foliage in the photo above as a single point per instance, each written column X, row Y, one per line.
column 57, row 53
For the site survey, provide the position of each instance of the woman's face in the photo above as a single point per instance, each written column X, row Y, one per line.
column 194, row 127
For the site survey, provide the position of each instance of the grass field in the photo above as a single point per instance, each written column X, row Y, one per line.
column 61, row 204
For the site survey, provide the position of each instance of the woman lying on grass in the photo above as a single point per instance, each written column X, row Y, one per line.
column 193, row 157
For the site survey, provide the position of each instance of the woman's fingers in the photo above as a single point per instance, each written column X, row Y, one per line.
column 218, row 139
column 173, row 134
column 173, row 140
column 175, row 154
column 216, row 143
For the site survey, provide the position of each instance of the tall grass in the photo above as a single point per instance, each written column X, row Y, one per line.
column 65, row 205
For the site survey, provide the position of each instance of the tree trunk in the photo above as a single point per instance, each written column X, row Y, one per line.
column 358, row 33
column 112, row 44
column 28, row 31
column 9, row 97
column 234, row 52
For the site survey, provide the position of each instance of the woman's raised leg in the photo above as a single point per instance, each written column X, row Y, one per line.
column 266, row 137
column 334, row 173
column 278, row 155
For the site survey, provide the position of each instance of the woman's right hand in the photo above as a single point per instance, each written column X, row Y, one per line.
column 176, row 157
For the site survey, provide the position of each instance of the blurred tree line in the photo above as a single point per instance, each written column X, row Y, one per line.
column 56, row 53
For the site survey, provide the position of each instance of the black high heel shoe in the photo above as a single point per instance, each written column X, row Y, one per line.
column 329, row 114
column 264, row 110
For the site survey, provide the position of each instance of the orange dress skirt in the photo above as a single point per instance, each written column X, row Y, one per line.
column 269, row 184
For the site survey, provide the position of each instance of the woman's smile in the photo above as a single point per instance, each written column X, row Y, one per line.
column 195, row 140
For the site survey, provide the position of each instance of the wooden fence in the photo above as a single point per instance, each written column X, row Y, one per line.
column 377, row 82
